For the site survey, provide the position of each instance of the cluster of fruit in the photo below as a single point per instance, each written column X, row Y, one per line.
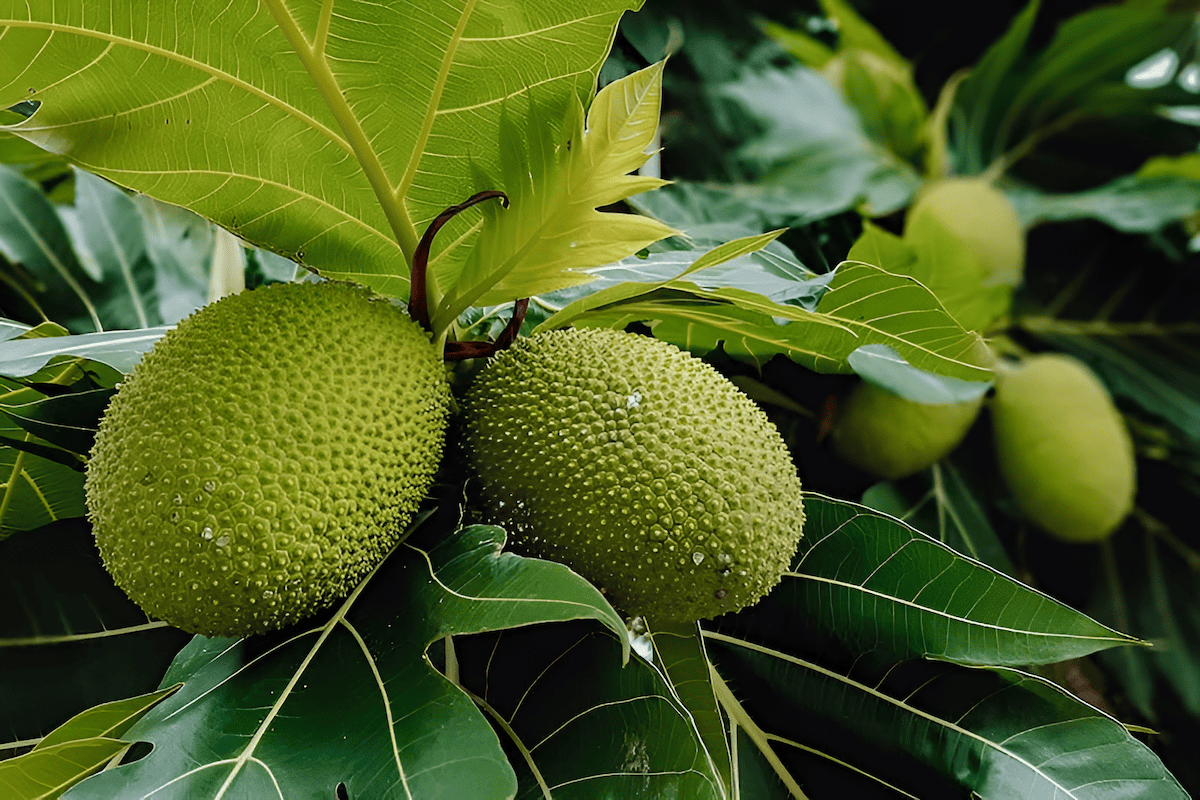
column 270, row 451
column 1061, row 445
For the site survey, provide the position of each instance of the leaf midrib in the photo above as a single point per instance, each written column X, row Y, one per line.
column 771, row 653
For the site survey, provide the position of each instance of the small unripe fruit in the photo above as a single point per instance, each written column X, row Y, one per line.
column 978, row 215
column 892, row 437
column 1063, row 448
column 640, row 467
column 265, row 456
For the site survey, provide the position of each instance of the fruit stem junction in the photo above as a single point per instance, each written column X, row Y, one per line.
column 418, row 305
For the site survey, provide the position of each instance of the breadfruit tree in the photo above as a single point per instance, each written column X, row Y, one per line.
column 379, row 422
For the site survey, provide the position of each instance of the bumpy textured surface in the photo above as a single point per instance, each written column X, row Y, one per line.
column 265, row 455
column 977, row 213
column 1063, row 448
column 892, row 437
column 638, row 466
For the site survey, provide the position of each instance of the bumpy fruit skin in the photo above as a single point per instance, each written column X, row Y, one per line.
column 1063, row 448
column 891, row 437
column 638, row 466
column 978, row 214
column 266, row 455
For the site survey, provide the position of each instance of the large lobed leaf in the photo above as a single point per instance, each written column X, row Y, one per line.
column 331, row 136
column 577, row 725
column 356, row 687
column 555, row 179
column 815, row 156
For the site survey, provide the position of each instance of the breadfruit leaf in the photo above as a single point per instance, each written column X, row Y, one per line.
column 680, row 654
column 555, row 176
column 672, row 267
column 120, row 350
column 44, row 774
column 75, row 749
column 266, row 117
column 946, row 501
column 920, row 729
column 881, row 586
column 576, row 724
column 71, row 639
column 850, row 692
column 34, row 490
column 858, row 308
column 33, row 235
column 1144, row 202
column 356, row 686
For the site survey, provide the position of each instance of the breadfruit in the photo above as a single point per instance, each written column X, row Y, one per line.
column 640, row 467
column 1063, row 448
column 892, row 437
column 265, row 456
column 977, row 214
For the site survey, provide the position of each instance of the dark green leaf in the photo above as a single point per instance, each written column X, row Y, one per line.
column 68, row 421
column 881, row 586
column 34, row 490
column 71, row 639
column 815, row 157
column 1013, row 100
column 978, row 102
column 926, row 729
column 32, row 235
column 355, row 686
column 108, row 228
column 1148, row 587
column 576, row 724
column 1134, row 203
column 679, row 652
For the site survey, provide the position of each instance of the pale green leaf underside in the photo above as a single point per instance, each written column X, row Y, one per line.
column 328, row 135
column 864, row 305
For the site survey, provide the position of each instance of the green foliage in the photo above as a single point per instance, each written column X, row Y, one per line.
column 355, row 685
column 554, row 186
column 887, row 662
column 77, row 748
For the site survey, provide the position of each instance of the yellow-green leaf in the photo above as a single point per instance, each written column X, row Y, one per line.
column 552, row 231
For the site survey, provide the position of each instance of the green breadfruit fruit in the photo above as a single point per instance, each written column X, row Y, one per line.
column 978, row 215
column 892, row 437
column 1063, row 448
column 265, row 456
column 638, row 466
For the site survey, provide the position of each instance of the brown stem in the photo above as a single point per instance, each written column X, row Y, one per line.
column 418, row 303
column 461, row 351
